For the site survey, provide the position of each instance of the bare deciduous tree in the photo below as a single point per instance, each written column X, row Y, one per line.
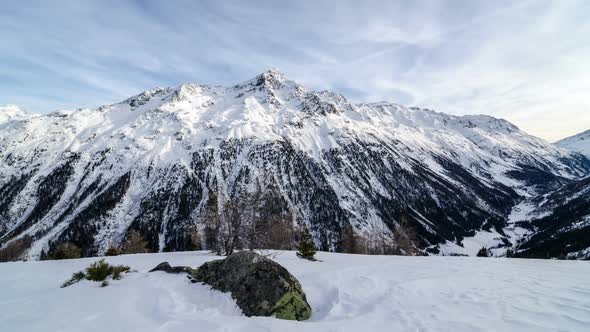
column 248, row 220
column 135, row 243
column 406, row 237
column 351, row 242
column 211, row 222
column 380, row 240
column 280, row 234
column 230, row 225
column 194, row 237
column 15, row 249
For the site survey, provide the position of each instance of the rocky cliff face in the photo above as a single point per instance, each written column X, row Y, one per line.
column 162, row 161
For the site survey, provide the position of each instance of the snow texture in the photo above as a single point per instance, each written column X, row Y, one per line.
column 346, row 292
column 12, row 113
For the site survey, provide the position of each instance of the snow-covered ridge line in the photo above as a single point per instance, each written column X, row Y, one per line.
column 155, row 161
column 13, row 113
column 578, row 143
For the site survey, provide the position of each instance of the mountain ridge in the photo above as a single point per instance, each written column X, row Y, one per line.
column 159, row 162
column 579, row 143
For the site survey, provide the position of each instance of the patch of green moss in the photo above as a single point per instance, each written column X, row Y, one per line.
column 292, row 307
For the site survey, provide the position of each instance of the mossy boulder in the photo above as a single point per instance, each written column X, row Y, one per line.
column 260, row 286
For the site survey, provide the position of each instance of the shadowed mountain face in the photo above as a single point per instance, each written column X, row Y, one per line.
column 562, row 226
column 165, row 161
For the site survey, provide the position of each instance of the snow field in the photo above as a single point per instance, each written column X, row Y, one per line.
column 346, row 293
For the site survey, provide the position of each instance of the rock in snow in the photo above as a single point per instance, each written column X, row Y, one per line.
column 260, row 286
column 165, row 267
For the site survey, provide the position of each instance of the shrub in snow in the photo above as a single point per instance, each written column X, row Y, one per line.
column 98, row 271
column 118, row 270
column 74, row 279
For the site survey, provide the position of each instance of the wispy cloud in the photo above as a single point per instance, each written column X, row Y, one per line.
column 525, row 61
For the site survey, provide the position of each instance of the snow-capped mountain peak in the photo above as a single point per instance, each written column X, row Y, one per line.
column 579, row 143
column 154, row 162
column 13, row 112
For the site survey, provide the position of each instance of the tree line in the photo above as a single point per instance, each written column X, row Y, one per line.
column 251, row 221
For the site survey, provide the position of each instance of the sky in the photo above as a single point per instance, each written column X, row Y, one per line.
column 525, row 61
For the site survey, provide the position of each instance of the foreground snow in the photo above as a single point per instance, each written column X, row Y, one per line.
column 346, row 292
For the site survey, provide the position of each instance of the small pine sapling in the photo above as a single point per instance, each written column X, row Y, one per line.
column 306, row 248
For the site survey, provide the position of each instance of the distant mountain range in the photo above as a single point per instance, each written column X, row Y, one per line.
column 163, row 161
column 560, row 220
column 579, row 143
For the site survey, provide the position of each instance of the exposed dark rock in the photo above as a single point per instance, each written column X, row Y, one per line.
column 260, row 286
column 165, row 267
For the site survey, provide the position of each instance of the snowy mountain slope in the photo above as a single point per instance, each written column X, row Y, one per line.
column 550, row 225
column 560, row 224
column 161, row 161
column 346, row 293
column 579, row 143
column 12, row 113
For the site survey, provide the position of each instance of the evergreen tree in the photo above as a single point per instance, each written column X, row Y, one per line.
column 483, row 252
column 306, row 248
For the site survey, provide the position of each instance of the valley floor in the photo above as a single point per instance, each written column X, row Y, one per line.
column 346, row 293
